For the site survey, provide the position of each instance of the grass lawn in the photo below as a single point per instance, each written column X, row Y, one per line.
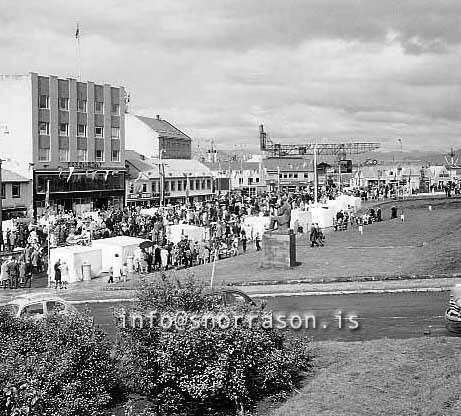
column 383, row 377
column 428, row 242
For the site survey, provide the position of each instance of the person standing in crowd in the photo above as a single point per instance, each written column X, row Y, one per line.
column 313, row 237
column 258, row 242
column 57, row 274
column 244, row 241
column 164, row 258
column 116, row 268
column 64, row 274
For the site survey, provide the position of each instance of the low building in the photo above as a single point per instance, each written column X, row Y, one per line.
column 246, row 177
column 182, row 180
column 288, row 174
column 156, row 138
column 16, row 193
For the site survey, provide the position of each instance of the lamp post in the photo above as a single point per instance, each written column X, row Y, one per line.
column 4, row 131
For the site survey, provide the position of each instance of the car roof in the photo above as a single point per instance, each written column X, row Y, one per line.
column 23, row 300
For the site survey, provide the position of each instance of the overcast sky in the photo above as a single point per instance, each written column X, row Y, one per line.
column 306, row 69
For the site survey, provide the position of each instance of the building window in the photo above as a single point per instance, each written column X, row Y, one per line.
column 240, row 181
column 99, row 107
column 295, row 175
column 191, row 184
column 115, row 132
column 81, row 130
column 115, row 155
column 173, row 186
column 99, row 155
column 116, row 109
column 131, row 188
column 81, row 106
column 144, row 187
column 99, row 131
column 64, row 129
column 208, row 183
column 16, row 190
column 306, row 176
column 3, row 190
column 43, row 101
column 44, row 128
column 63, row 155
column 257, row 180
column 179, row 185
column 82, row 155
column 63, row 103
column 43, row 155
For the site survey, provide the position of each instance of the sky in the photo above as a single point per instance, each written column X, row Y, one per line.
column 309, row 70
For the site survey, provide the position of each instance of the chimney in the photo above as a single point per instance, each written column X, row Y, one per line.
column 157, row 117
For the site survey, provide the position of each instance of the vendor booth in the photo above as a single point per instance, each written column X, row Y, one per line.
column 301, row 219
column 124, row 246
column 323, row 216
column 75, row 257
column 255, row 225
column 174, row 233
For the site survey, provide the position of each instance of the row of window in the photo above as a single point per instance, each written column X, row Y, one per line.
column 63, row 104
column 250, row 181
column 292, row 176
column 44, row 130
column 15, row 190
column 82, row 155
column 179, row 185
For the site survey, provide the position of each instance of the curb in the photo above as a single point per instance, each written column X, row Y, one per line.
column 344, row 279
column 352, row 292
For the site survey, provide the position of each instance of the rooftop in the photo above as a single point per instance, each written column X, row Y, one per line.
column 163, row 128
column 10, row 176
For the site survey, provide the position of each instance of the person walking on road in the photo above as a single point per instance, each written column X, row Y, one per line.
column 57, row 274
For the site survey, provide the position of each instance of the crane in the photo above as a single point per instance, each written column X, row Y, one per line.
column 341, row 150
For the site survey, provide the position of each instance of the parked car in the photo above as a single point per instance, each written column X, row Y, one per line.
column 229, row 297
column 453, row 313
column 38, row 306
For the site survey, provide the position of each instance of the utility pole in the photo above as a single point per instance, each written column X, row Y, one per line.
column 315, row 175
column 1, row 207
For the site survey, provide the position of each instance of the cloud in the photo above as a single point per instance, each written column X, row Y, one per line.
column 321, row 69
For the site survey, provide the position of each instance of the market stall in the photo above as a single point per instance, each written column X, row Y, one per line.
column 174, row 233
column 124, row 246
column 75, row 256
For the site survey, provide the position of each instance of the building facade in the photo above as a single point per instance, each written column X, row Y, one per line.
column 178, row 180
column 156, row 138
column 16, row 194
column 68, row 134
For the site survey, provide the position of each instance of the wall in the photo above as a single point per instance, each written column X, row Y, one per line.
column 24, row 201
column 141, row 138
column 16, row 114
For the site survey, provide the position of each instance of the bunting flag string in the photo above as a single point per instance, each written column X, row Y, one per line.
column 71, row 171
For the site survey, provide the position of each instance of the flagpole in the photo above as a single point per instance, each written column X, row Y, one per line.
column 47, row 203
column 77, row 37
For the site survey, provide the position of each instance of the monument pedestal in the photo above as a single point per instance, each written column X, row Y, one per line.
column 278, row 250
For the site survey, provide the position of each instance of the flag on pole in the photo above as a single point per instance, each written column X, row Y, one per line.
column 77, row 33
column 71, row 171
column 106, row 175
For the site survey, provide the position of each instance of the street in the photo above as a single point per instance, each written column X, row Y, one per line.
column 405, row 315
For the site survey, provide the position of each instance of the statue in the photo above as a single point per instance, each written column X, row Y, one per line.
column 282, row 218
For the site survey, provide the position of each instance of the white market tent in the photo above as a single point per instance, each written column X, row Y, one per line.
column 175, row 232
column 124, row 246
column 75, row 256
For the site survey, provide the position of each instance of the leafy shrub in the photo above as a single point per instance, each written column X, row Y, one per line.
column 60, row 366
column 207, row 370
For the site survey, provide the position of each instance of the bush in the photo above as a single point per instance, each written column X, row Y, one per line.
column 60, row 366
column 206, row 370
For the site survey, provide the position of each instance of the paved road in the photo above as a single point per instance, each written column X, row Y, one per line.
column 405, row 315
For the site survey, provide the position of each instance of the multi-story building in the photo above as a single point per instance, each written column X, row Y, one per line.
column 288, row 174
column 182, row 180
column 69, row 134
column 16, row 193
column 156, row 138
